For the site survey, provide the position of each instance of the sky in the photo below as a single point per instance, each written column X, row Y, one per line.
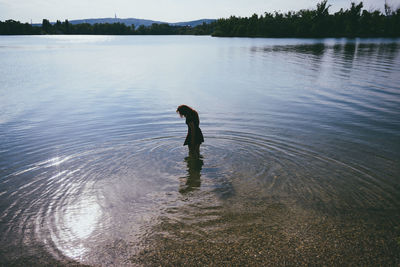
column 161, row 10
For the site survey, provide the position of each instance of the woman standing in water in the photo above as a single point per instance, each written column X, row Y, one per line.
column 194, row 136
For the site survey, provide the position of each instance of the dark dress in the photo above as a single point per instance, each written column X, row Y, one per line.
column 198, row 134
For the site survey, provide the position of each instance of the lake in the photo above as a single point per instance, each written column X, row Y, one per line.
column 300, row 164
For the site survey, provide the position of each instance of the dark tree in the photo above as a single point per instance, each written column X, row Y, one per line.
column 316, row 23
column 47, row 27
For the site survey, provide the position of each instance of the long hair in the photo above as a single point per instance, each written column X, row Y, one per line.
column 185, row 111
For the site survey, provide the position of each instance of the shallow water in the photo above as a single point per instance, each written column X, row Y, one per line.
column 300, row 165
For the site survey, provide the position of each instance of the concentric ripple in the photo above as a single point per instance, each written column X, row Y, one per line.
column 78, row 205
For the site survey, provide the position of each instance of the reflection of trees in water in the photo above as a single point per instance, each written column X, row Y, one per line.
column 366, row 53
column 388, row 51
column 348, row 51
column 345, row 49
column 341, row 52
column 193, row 181
column 316, row 49
column 344, row 54
column 313, row 53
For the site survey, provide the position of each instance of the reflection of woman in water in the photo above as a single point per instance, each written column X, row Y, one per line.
column 193, row 181
column 194, row 136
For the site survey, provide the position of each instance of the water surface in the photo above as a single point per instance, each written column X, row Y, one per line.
column 300, row 165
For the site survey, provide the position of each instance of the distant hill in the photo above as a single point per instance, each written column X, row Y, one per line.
column 136, row 22
column 193, row 23
column 128, row 22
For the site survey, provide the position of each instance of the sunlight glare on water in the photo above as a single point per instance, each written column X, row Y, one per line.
column 80, row 220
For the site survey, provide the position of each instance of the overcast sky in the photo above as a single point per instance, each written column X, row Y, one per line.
column 162, row 10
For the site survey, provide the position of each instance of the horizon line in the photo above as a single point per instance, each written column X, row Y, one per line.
column 62, row 20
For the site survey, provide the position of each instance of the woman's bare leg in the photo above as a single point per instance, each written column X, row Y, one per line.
column 194, row 151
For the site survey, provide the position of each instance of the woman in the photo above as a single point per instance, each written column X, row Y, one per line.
column 194, row 136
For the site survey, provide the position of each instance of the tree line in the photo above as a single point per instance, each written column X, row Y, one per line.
column 314, row 23
column 12, row 27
